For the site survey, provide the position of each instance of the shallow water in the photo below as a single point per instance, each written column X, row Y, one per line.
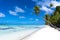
column 4, row 29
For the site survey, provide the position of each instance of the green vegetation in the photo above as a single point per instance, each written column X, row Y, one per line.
column 54, row 18
column 36, row 10
column 51, row 5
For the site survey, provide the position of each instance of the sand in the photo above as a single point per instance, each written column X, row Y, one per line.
column 16, row 35
column 47, row 33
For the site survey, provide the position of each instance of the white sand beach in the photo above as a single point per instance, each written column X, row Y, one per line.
column 16, row 35
column 46, row 33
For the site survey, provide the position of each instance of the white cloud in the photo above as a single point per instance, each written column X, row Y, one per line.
column 47, row 3
column 55, row 3
column 42, row 2
column 47, row 10
column 17, row 9
column 12, row 12
column 36, row 19
column 2, row 15
column 34, row 0
column 21, row 16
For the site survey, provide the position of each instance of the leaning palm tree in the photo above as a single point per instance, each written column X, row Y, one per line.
column 48, row 18
column 52, row 20
column 55, row 18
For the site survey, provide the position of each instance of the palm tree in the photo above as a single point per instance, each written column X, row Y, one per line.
column 54, row 19
column 37, row 10
column 57, row 9
column 47, row 17
column 51, row 5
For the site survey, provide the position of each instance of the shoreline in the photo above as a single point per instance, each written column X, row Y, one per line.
column 16, row 35
column 47, row 33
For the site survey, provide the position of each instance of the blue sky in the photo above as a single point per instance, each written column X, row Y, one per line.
column 21, row 11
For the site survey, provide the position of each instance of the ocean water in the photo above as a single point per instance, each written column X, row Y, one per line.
column 4, row 29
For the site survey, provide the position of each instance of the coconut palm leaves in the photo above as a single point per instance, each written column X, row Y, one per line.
column 47, row 17
column 53, row 18
column 36, row 10
column 58, row 9
column 51, row 5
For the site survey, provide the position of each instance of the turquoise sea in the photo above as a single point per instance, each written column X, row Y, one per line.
column 4, row 29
